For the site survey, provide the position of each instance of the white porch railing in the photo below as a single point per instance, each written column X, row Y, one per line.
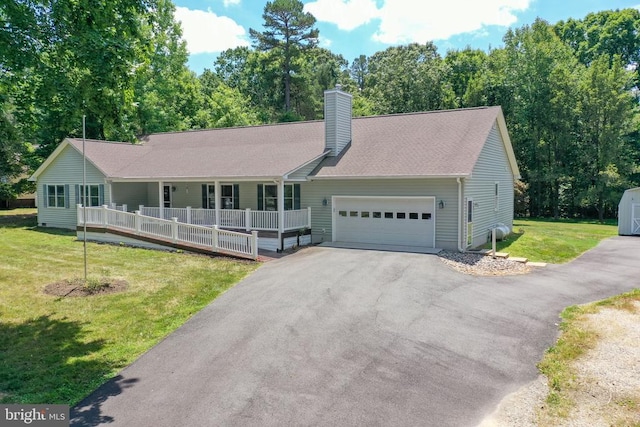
column 171, row 230
column 246, row 219
column 117, row 207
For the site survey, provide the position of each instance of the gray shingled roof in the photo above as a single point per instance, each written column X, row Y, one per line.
column 439, row 143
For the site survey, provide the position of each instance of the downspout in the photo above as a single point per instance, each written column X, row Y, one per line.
column 460, row 209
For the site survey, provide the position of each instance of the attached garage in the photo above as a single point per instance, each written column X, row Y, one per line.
column 629, row 213
column 406, row 221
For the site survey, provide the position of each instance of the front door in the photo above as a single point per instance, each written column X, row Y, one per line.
column 166, row 195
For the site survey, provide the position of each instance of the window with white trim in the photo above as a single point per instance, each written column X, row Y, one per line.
column 93, row 195
column 55, row 196
column 268, row 200
column 228, row 196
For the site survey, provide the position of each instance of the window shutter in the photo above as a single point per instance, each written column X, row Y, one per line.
column 260, row 198
column 296, row 196
column 205, row 197
column 66, row 196
column 236, row 196
column 45, row 195
column 101, row 194
column 77, row 194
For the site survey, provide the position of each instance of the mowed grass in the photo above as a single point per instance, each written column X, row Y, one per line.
column 554, row 241
column 58, row 350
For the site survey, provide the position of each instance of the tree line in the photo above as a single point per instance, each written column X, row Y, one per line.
column 568, row 90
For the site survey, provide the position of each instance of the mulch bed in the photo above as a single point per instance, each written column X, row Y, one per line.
column 77, row 288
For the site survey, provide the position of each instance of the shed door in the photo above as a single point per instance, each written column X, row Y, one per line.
column 635, row 218
column 407, row 221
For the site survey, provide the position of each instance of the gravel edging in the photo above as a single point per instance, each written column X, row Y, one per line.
column 482, row 265
column 606, row 377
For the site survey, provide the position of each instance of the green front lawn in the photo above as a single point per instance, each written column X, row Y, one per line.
column 554, row 241
column 57, row 350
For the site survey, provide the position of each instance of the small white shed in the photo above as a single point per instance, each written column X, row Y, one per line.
column 629, row 213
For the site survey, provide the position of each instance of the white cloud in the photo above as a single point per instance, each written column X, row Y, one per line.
column 403, row 22
column 324, row 42
column 346, row 14
column 228, row 3
column 206, row 32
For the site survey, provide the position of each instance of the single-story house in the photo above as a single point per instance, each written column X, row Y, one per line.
column 629, row 213
column 439, row 179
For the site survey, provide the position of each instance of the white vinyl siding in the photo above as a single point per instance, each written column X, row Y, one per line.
column 152, row 194
column 305, row 170
column 314, row 192
column 65, row 169
column 491, row 171
column 186, row 194
column 132, row 194
column 337, row 119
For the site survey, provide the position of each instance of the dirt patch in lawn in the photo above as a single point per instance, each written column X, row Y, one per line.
column 78, row 287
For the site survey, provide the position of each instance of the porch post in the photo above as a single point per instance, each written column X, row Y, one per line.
column 280, row 213
column 160, row 200
column 174, row 229
column 138, row 220
column 110, row 187
column 247, row 219
column 104, row 216
column 218, row 198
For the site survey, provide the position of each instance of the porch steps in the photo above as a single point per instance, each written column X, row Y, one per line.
column 505, row 255
column 537, row 264
column 488, row 252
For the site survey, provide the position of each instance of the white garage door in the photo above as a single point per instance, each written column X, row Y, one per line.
column 385, row 220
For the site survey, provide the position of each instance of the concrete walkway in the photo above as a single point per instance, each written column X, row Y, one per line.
column 343, row 337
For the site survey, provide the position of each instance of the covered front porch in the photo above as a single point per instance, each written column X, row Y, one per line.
column 272, row 207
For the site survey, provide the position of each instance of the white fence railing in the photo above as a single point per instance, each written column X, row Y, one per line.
column 264, row 220
column 171, row 230
column 240, row 219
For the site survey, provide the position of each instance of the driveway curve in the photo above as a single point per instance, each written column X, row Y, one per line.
column 351, row 337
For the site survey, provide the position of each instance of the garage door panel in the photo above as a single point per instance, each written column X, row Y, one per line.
column 395, row 221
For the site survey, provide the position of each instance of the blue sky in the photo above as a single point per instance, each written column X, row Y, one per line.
column 354, row 27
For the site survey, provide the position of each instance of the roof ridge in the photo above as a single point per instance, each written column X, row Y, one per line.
column 102, row 141
column 418, row 113
column 302, row 122
column 233, row 127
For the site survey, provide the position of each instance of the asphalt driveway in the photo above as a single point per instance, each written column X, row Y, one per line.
column 350, row 337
